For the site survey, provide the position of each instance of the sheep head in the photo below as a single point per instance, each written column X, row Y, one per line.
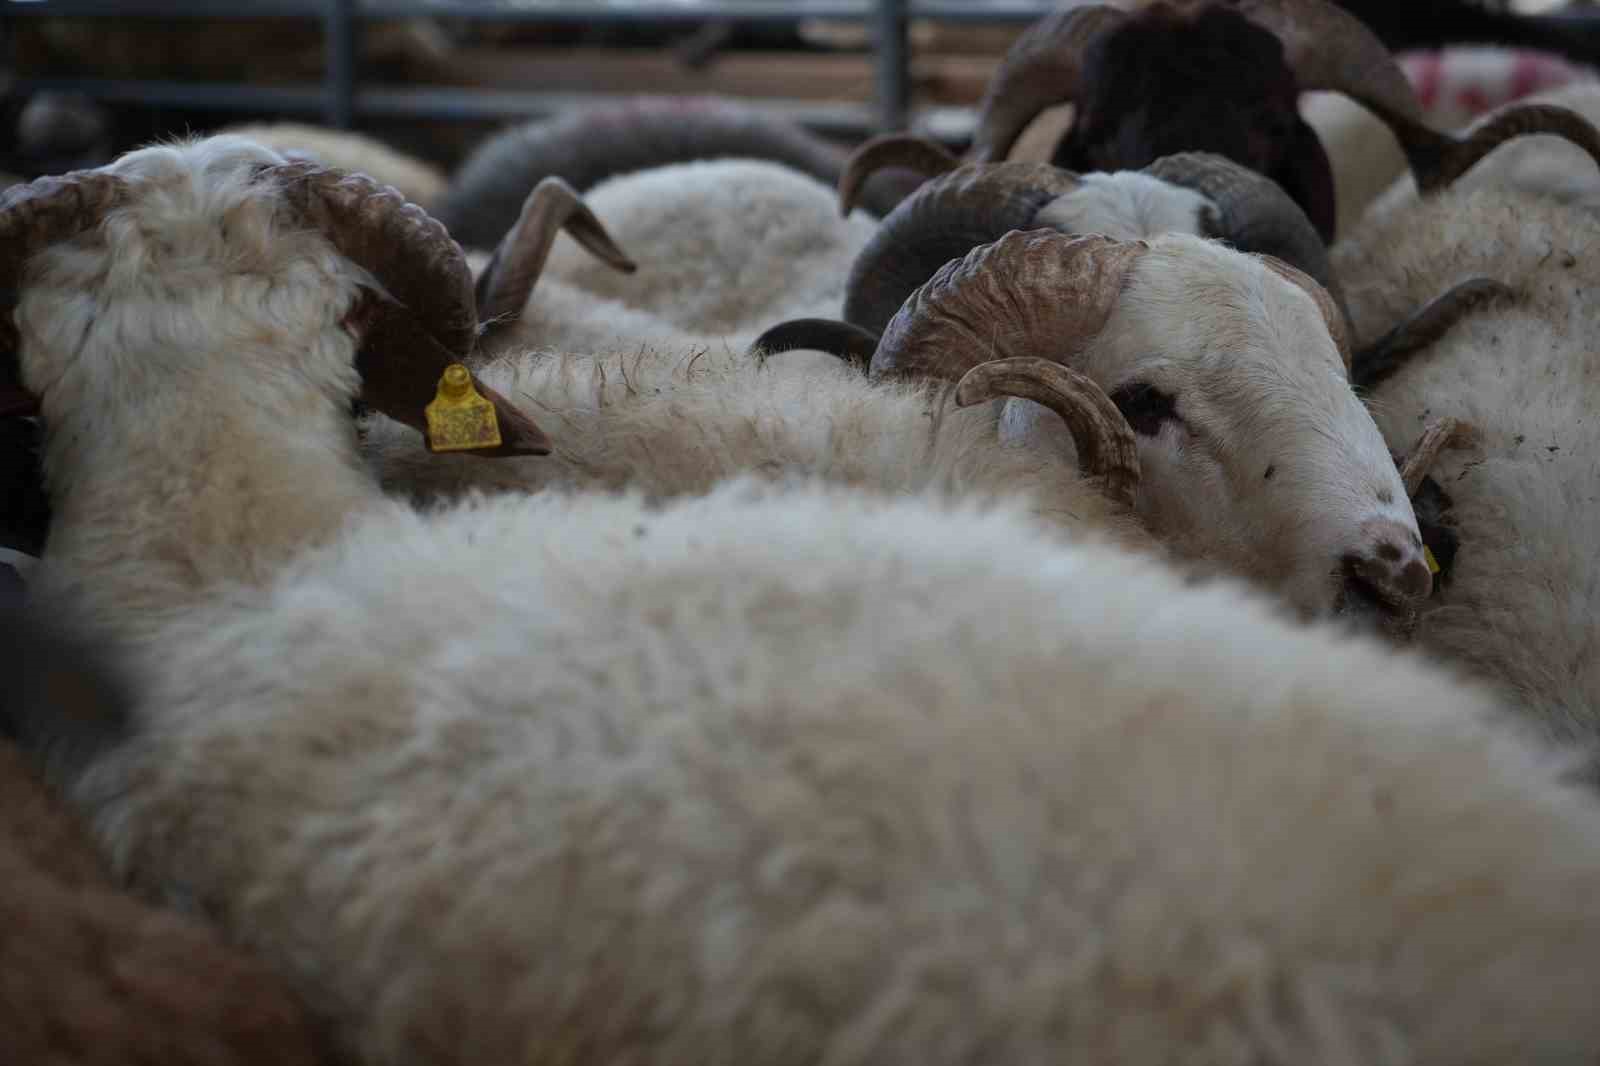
column 1146, row 83
column 411, row 316
column 1208, row 389
column 962, row 206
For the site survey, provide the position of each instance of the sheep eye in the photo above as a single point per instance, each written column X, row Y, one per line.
column 1145, row 407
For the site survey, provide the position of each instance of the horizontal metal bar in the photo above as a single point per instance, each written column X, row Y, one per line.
column 439, row 103
column 515, row 11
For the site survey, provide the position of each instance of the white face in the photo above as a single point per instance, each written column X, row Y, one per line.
column 1127, row 205
column 1256, row 454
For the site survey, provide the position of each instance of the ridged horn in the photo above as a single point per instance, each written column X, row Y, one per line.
column 1330, row 49
column 1036, row 293
column 507, row 282
column 1043, row 67
column 1105, row 442
column 34, row 216
column 917, row 154
column 432, row 322
column 945, row 219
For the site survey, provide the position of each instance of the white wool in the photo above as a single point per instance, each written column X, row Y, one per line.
column 725, row 249
column 788, row 775
column 1522, row 607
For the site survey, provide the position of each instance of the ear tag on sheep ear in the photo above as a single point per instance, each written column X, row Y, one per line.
column 459, row 418
column 1433, row 564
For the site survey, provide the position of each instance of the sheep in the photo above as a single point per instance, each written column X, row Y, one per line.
column 418, row 181
column 722, row 249
column 797, row 773
column 1145, row 85
column 609, row 140
column 88, row 974
column 1516, row 608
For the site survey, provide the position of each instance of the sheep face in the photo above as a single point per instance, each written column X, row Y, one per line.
column 1151, row 88
column 1255, row 453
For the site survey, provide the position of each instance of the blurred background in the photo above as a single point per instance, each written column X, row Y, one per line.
column 86, row 79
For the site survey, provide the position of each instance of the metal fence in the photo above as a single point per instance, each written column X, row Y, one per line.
column 341, row 97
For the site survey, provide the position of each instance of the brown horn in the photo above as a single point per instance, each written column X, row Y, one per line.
column 432, row 320
column 1383, row 357
column 928, row 158
column 1035, row 293
column 1338, row 328
column 1330, row 49
column 34, row 216
column 1106, row 446
column 1042, row 68
column 853, row 344
column 944, row 220
column 507, row 282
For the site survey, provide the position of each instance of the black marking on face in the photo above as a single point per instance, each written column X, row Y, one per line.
column 1146, row 407
column 1271, row 469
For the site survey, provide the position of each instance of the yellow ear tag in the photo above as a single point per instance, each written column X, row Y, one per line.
column 1433, row 564
column 459, row 419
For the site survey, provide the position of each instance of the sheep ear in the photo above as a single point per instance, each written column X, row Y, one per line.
column 1307, row 176
column 507, row 282
column 401, row 366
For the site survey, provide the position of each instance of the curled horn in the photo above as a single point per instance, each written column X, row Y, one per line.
column 1035, row 293
column 505, row 284
column 1338, row 327
column 852, row 344
column 1105, row 442
column 944, row 220
column 1253, row 213
column 34, row 216
column 432, row 320
column 918, row 154
column 1043, row 68
column 1377, row 361
column 1328, row 48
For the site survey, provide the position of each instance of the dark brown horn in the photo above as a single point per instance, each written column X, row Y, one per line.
column 432, row 320
column 507, row 282
column 34, row 216
column 1106, row 446
column 1330, row 49
column 918, row 154
column 1036, row 293
column 1383, row 357
column 1332, row 315
column 1042, row 68
column 853, row 344
column 944, row 220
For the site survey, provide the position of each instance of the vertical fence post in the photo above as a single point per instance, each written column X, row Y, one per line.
column 339, row 35
column 893, row 65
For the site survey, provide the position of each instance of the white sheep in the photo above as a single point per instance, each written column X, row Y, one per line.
column 800, row 775
column 418, row 180
column 724, row 249
column 1520, row 605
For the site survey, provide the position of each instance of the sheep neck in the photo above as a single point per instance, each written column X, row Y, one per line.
column 160, row 505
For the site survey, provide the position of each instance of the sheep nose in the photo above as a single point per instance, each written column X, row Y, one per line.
column 1389, row 565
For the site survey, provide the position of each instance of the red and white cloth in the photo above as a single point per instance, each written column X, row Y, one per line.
column 1466, row 82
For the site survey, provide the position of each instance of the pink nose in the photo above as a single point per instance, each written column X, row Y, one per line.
column 1389, row 560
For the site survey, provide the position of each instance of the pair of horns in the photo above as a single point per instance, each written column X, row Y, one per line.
column 1007, row 318
column 963, row 205
column 1004, row 320
column 425, row 320
column 1324, row 46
